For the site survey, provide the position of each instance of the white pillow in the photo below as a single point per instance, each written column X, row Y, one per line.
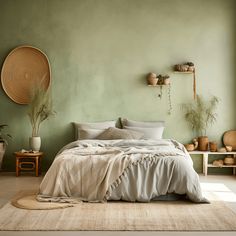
column 95, row 125
column 90, row 133
column 133, row 123
column 149, row 133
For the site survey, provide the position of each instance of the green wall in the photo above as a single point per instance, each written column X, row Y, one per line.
column 100, row 52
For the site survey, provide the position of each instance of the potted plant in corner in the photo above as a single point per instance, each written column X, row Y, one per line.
column 200, row 114
column 40, row 109
column 3, row 143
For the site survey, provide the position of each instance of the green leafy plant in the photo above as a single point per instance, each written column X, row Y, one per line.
column 40, row 108
column 200, row 114
column 4, row 136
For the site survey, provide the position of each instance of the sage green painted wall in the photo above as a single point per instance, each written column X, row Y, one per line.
column 100, row 52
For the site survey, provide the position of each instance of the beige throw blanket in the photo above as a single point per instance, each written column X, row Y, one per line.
column 84, row 174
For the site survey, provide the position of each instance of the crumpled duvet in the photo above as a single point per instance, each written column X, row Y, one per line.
column 131, row 170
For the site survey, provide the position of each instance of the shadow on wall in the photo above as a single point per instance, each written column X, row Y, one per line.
column 52, row 142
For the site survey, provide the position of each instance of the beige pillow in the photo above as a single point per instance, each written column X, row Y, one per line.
column 95, row 125
column 115, row 133
column 90, row 133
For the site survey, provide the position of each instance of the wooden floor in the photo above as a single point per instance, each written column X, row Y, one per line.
column 223, row 186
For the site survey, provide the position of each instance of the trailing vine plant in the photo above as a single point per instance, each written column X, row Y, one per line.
column 161, row 92
column 169, row 99
column 164, row 80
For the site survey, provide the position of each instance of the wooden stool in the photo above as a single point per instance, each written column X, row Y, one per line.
column 28, row 158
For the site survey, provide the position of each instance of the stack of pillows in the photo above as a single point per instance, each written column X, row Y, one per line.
column 130, row 130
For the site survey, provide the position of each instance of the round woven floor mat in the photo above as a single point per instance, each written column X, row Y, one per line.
column 28, row 201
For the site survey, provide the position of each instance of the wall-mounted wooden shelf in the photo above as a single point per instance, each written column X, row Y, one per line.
column 158, row 85
column 183, row 72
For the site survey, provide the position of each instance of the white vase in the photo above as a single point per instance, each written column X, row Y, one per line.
column 35, row 143
column 2, row 152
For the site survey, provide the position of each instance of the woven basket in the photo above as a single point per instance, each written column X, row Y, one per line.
column 229, row 160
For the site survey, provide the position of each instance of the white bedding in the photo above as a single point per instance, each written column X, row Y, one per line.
column 132, row 170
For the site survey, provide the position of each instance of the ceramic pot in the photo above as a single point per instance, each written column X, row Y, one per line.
column 229, row 148
column 184, row 68
column 203, row 143
column 213, row 146
column 35, row 143
column 152, row 79
column 167, row 81
column 2, row 152
column 189, row 147
column 191, row 68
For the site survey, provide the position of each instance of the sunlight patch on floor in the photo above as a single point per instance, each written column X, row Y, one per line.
column 218, row 191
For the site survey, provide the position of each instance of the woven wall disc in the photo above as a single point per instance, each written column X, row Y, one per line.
column 229, row 139
column 24, row 68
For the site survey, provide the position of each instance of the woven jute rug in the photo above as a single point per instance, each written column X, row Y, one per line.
column 27, row 200
column 158, row 216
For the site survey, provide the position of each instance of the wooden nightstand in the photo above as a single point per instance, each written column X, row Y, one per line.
column 28, row 161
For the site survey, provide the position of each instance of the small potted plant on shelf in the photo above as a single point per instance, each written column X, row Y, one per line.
column 40, row 109
column 200, row 114
column 3, row 142
column 191, row 67
column 163, row 79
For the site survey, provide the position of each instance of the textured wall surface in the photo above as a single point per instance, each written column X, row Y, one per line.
column 100, row 52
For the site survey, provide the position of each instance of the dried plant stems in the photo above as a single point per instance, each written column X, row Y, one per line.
column 40, row 108
column 200, row 114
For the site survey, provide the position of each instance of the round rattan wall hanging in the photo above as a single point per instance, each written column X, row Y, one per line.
column 24, row 68
column 229, row 139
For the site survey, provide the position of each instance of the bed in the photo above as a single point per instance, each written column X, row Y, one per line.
column 129, row 169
